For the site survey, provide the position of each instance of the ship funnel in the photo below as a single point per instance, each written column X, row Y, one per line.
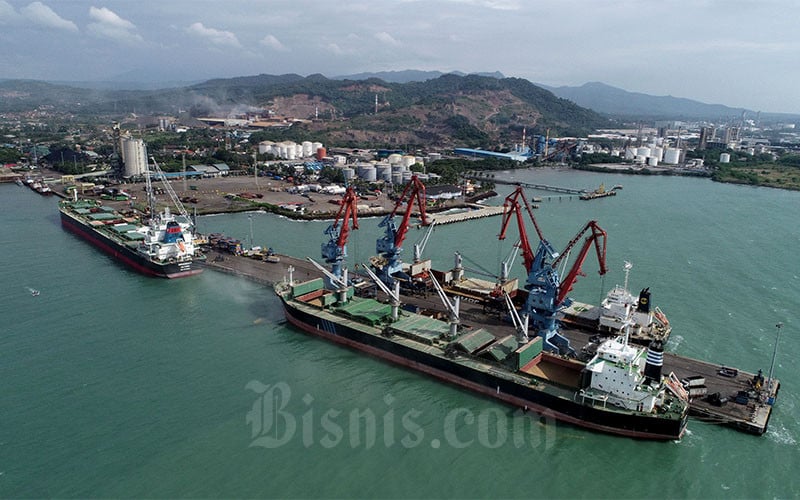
column 644, row 301
column 655, row 360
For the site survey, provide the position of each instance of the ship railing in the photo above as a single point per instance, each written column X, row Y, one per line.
column 592, row 397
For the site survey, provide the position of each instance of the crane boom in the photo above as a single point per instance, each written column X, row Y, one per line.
column 512, row 207
column 598, row 238
column 417, row 192
column 335, row 250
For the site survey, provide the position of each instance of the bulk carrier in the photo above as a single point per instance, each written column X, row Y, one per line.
column 163, row 245
column 620, row 390
column 611, row 385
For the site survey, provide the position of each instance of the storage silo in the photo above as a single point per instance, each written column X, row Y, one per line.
column 397, row 177
column 315, row 146
column 408, row 160
column 672, row 156
column 630, row 153
column 407, row 174
column 135, row 157
column 643, row 151
column 367, row 172
column 395, row 158
column 265, row 147
column 652, row 161
column 657, row 153
column 306, row 148
column 321, row 153
column 348, row 173
column 384, row 172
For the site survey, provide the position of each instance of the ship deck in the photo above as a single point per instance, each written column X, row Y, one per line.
column 752, row 417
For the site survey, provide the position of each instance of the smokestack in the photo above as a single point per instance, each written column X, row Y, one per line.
column 655, row 360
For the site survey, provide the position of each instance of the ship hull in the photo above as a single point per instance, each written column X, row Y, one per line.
column 524, row 396
column 129, row 256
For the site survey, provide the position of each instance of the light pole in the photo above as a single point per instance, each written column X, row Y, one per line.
column 774, row 354
column 250, row 216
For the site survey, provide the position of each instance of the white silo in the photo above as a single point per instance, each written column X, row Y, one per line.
column 307, row 150
column 672, row 156
column 264, row 147
column 407, row 175
column 348, row 173
column 384, row 172
column 724, row 158
column 395, row 158
column 630, row 153
column 397, row 177
column 367, row 172
column 397, row 169
column 408, row 160
column 643, row 151
column 652, row 161
column 657, row 153
column 315, row 146
column 135, row 157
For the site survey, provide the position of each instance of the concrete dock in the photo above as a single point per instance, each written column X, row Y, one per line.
column 735, row 401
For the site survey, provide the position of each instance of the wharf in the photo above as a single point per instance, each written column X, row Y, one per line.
column 750, row 415
column 475, row 212
column 542, row 187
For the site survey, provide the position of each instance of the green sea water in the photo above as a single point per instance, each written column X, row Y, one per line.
column 113, row 384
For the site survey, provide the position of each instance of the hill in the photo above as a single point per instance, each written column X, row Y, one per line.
column 618, row 102
column 450, row 110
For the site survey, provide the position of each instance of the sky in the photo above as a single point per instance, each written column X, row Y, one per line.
column 741, row 53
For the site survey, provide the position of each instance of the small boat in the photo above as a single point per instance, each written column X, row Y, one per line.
column 35, row 293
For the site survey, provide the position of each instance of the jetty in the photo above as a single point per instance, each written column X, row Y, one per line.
column 719, row 394
column 542, row 187
column 473, row 212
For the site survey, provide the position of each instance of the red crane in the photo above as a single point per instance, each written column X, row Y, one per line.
column 334, row 251
column 415, row 190
column 596, row 238
column 512, row 206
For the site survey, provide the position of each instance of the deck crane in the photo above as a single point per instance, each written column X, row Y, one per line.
column 390, row 244
column 335, row 250
column 547, row 295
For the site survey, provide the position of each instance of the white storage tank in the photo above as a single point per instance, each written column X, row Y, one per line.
column 384, row 172
column 725, row 158
column 397, row 169
column 307, row 150
column 397, row 177
column 657, row 153
column 407, row 174
column 265, row 147
column 643, row 151
column 408, row 160
column 395, row 158
column 315, row 146
column 134, row 154
column 630, row 153
column 367, row 172
column 640, row 159
column 652, row 161
column 672, row 156
column 348, row 173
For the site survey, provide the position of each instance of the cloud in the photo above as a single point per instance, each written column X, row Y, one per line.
column 273, row 43
column 7, row 13
column 215, row 36
column 41, row 14
column 107, row 24
column 387, row 39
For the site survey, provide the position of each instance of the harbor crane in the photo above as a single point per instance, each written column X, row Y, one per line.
column 547, row 294
column 390, row 245
column 335, row 250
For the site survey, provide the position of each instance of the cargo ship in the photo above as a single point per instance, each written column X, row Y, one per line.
column 164, row 246
column 618, row 388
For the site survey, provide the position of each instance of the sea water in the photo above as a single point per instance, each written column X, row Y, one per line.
column 113, row 384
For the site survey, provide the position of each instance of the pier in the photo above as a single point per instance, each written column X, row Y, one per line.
column 542, row 187
column 475, row 212
column 729, row 396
